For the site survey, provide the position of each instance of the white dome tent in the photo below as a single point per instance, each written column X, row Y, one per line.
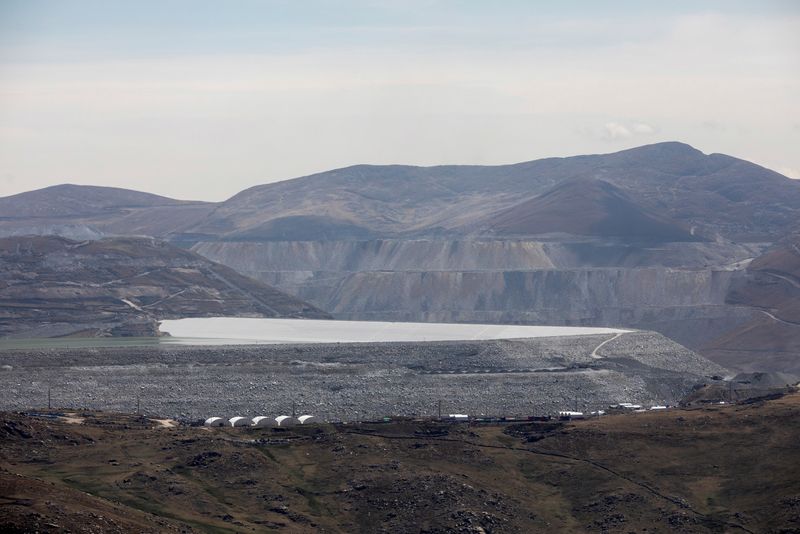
column 285, row 420
column 239, row 421
column 214, row 421
column 263, row 420
column 307, row 419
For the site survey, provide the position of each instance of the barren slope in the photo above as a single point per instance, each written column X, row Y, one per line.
column 89, row 212
column 54, row 286
column 771, row 341
column 587, row 208
column 719, row 195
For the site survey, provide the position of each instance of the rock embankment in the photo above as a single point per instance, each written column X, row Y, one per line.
column 358, row 381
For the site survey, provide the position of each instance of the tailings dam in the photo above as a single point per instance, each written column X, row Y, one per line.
column 356, row 381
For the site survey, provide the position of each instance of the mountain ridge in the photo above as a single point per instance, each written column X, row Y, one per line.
column 671, row 179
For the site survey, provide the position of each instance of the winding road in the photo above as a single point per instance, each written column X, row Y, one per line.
column 598, row 347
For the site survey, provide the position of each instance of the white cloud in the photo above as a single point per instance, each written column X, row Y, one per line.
column 618, row 130
column 615, row 130
column 642, row 128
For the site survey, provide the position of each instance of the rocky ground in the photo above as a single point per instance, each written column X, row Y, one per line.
column 358, row 381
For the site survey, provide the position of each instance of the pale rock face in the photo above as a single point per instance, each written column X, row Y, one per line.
column 678, row 289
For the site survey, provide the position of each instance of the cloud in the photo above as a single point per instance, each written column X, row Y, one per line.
column 642, row 128
column 619, row 130
column 615, row 130
column 231, row 103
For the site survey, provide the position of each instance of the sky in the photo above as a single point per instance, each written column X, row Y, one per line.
column 199, row 99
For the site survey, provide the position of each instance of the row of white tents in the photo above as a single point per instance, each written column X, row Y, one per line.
column 260, row 421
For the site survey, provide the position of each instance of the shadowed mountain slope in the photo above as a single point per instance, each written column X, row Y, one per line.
column 52, row 286
column 588, row 208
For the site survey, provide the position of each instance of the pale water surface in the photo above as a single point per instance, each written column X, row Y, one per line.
column 235, row 330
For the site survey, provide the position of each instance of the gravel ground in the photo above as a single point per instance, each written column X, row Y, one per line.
column 357, row 381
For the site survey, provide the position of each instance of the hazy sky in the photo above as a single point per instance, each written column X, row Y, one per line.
column 200, row 99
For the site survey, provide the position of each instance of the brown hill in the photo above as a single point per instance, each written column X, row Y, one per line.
column 55, row 286
column 703, row 470
column 587, row 208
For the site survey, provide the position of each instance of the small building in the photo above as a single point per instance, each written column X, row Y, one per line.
column 214, row 421
column 306, row 419
column 263, row 420
column 285, row 420
column 567, row 414
column 458, row 417
column 239, row 421
column 627, row 406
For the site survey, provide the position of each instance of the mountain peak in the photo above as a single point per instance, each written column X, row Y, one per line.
column 74, row 200
column 665, row 149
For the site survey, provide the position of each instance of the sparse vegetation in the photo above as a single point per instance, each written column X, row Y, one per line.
column 731, row 468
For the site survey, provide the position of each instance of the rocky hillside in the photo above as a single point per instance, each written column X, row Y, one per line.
column 53, row 286
column 707, row 470
column 770, row 286
column 588, row 208
column 679, row 289
column 667, row 185
column 649, row 238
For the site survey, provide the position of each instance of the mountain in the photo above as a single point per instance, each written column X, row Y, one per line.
column 716, row 196
column 651, row 237
column 723, row 197
column 70, row 200
column 53, row 286
column 90, row 212
column 655, row 237
column 586, row 208
column 771, row 287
